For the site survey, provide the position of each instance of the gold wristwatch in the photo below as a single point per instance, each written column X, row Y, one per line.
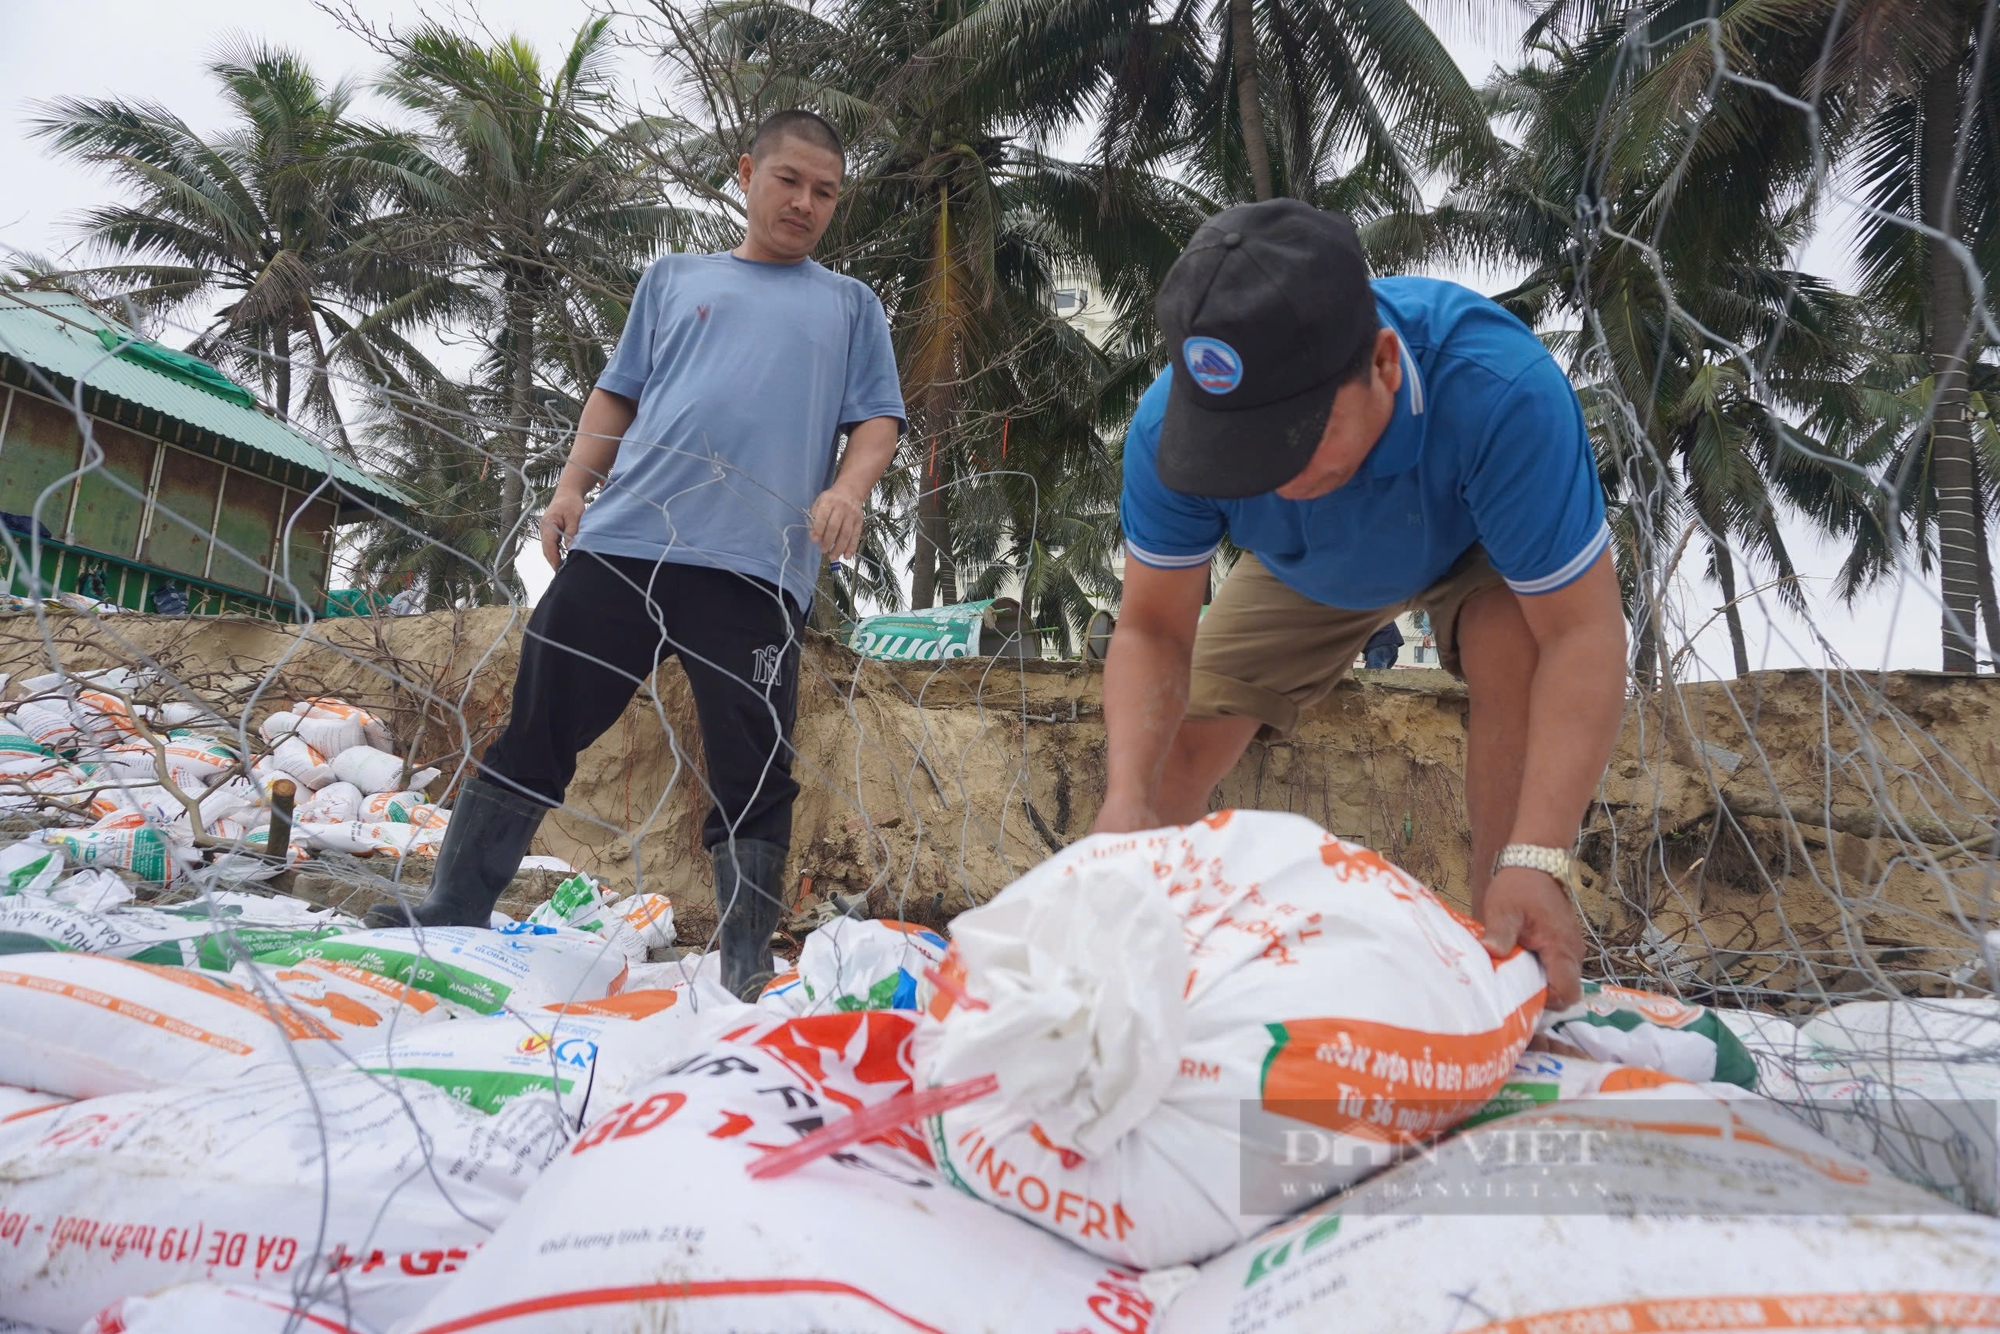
column 1550, row 861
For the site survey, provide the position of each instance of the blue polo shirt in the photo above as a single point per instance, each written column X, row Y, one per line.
column 1487, row 445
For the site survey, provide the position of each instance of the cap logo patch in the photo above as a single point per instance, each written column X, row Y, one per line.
column 1213, row 364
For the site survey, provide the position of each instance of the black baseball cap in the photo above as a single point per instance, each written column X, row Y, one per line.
column 1262, row 312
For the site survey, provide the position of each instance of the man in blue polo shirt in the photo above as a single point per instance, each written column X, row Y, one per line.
column 1372, row 448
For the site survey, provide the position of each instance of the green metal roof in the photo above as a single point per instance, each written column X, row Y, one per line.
column 58, row 333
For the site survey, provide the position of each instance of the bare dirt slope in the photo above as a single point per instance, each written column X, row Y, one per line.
column 1787, row 833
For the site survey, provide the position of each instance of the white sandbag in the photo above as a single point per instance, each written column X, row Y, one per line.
column 16, row 744
column 149, row 852
column 697, row 976
column 1160, row 1008
column 396, row 805
column 233, row 795
column 129, row 763
column 360, row 838
column 82, row 1025
column 276, row 909
column 49, row 721
column 520, row 967
column 566, row 1053
column 374, row 770
column 1935, row 1124
column 329, row 736
column 181, row 713
column 196, row 754
column 93, row 891
column 199, row 934
column 266, row 1181
column 336, row 803
column 1540, row 1078
column 362, row 1008
column 702, row 1248
column 17, row 1102
column 1630, row 1027
column 278, row 726
column 1774, row 1044
column 303, row 764
column 373, row 731
column 225, row 1309
column 29, row 867
column 857, row 965
column 103, row 717
column 1657, row 1211
column 1920, row 1029
column 637, row 925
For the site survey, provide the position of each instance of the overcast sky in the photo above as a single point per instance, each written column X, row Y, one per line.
column 154, row 51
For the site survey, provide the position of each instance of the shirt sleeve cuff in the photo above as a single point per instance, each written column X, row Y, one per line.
column 1161, row 560
column 621, row 385
column 1571, row 571
column 866, row 412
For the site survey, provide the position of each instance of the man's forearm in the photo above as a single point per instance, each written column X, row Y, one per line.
column 602, row 424
column 1575, row 704
column 1145, row 699
column 870, row 448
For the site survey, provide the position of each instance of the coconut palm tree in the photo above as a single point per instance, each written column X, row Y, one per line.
column 1699, row 348
column 261, row 218
column 522, row 186
column 1908, row 106
column 1257, row 97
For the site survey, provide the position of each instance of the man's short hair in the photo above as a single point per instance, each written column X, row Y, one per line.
column 802, row 125
column 1357, row 366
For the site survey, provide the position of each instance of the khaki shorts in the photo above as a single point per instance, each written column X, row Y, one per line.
column 1267, row 652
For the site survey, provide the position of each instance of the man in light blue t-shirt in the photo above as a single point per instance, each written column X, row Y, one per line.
column 1373, row 448
column 712, row 433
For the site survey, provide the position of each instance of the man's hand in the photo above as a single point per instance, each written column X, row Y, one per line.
column 1124, row 815
column 837, row 517
column 1528, row 908
column 559, row 524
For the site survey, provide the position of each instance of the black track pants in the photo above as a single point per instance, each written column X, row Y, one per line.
column 605, row 623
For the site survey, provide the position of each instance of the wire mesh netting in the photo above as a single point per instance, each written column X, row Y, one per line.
column 1788, row 844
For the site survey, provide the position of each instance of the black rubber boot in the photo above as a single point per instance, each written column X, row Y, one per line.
column 488, row 836
column 749, row 900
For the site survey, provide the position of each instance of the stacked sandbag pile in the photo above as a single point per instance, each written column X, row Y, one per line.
column 122, row 774
column 246, row 1105
column 1242, row 1076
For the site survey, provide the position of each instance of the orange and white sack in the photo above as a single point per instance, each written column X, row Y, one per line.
column 84, row 1025
column 225, row 1308
column 517, row 967
column 1159, row 1008
column 407, row 806
column 336, row 803
column 649, row 1221
column 374, row 770
column 361, row 838
column 49, row 721
column 1662, row 1209
column 373, row 731
column 386, row 1185
column 360, row 1007
column 277, row 726
column 306, row 766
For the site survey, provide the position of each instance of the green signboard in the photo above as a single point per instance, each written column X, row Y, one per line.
column 964, row 630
